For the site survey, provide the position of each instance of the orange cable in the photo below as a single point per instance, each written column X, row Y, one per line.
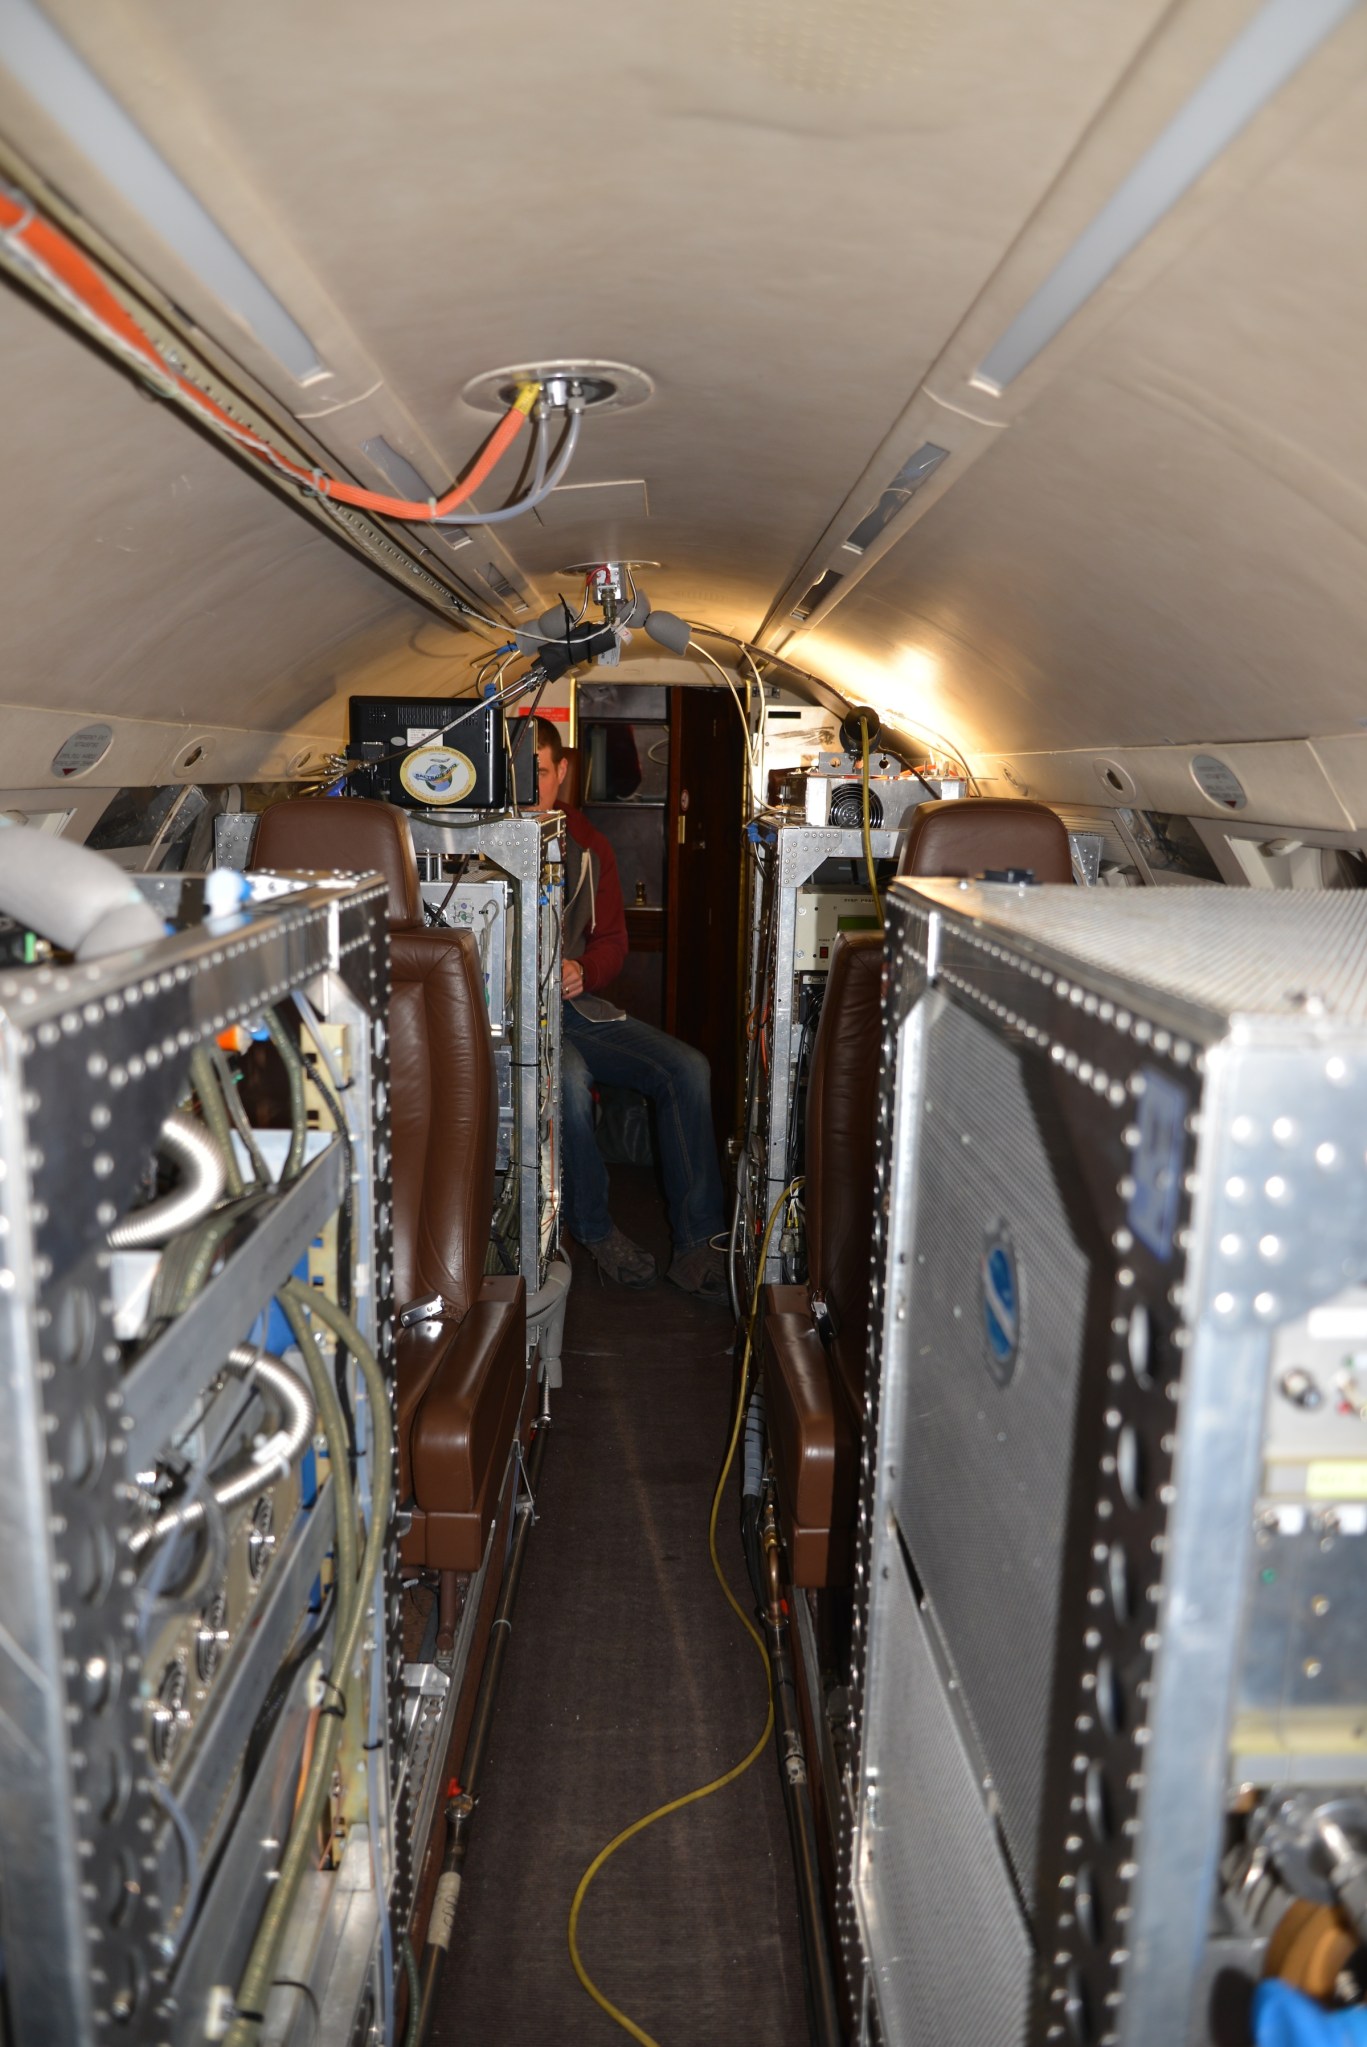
column 60, row 256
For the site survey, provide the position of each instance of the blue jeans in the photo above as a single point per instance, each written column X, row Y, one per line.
column 678, row 1080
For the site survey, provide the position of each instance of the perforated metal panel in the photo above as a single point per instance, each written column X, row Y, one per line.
column 934, row 1889
column 1164, row 1096
column 1228, row 951
column 983, row 1479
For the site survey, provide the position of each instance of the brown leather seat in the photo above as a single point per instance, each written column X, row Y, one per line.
column 974, row 834
column 461, row 1380
column 816, row 1336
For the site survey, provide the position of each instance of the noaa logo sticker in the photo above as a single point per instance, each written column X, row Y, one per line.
column 1001, row 1299
column 437, row 774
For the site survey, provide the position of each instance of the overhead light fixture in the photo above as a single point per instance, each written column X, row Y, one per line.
column 90, row 118
column 898, row 494
column 600, row 386
column 818, row 593
column 1276, row 42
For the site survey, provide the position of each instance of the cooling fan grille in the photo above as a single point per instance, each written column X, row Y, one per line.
column 847, row 807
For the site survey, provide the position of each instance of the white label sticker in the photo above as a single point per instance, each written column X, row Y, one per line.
column 83, row 751
column 1217, row 781
column 444, row 1909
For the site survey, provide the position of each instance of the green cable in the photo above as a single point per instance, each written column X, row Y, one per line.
column 299, row 1120
column 331, row 1416
column 259, row 1973
column 216, row 1116
column 410, row 1966
column 187, row 1261
column 238, row 1114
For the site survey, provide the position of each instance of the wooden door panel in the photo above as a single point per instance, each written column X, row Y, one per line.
column 703, row 827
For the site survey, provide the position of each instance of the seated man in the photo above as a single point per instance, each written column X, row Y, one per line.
column 601, row 1043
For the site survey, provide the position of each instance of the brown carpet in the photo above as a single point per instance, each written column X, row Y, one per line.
column 628, row 1681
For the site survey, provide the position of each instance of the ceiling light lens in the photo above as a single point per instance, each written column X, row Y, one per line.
column 1276, row 42
column 70, row 94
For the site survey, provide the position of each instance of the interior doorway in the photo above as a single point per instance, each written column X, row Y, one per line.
column 660, row 771
column 702, row 940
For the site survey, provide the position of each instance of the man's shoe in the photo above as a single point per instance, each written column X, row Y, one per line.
column 702, row 1273
column 621, row 1261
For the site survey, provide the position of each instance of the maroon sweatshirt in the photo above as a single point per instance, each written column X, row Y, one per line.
column 605, row 950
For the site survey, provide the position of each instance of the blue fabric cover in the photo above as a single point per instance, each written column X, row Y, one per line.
column 1283, row 2017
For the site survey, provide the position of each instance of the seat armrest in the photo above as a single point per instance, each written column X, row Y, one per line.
column 813, row 1443
column 462, row 1406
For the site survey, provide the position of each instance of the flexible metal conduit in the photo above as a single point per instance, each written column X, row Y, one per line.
column 77, row 899
column 271, row 1460
column 190, row 1144
column 460, row 1807
column 823, row 2010
column 353, row 1596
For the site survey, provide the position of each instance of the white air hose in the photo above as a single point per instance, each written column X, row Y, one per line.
column 79, row 900
column 266, row 1461
column 201, row 1162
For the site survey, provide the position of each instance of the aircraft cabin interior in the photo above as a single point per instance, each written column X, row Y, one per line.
column 683, row 1024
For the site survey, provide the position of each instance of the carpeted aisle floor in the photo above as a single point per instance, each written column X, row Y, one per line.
column 629, row 1681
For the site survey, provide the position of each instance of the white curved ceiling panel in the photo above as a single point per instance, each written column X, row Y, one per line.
column 789, row 213
column 1171, row 543
column 148, row 577
column 780, row 212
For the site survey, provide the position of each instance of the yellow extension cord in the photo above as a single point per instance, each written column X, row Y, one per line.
column 620, row 2018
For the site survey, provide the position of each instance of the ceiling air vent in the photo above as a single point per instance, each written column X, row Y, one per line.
column 899, row 492
column 819, row 592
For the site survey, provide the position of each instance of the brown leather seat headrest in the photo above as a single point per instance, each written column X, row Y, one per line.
column 973, row 834
column 346, row 834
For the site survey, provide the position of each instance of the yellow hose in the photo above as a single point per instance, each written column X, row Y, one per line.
column 620, row 2018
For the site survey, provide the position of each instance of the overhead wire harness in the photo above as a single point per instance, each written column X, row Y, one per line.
column 40, row 249
column 37, row 248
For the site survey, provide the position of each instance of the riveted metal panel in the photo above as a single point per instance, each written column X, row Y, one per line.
column 105, row 1871
column 1192, row 1082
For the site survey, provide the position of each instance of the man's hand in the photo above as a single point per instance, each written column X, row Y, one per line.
column 571, row 979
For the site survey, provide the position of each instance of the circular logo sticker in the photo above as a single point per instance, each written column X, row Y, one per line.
column 437, row 774
column 1001, row 1295
column 83, row 751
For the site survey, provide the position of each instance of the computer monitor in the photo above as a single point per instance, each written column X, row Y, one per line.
column 405, row 753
